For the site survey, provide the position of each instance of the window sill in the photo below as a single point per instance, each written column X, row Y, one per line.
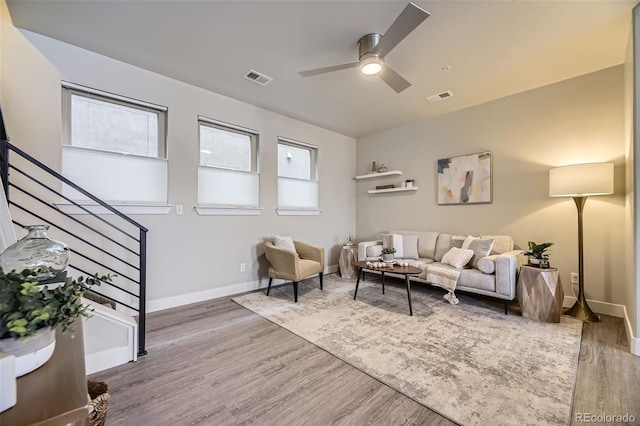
column 297, row 212
column 228, row 211
column 128, row 209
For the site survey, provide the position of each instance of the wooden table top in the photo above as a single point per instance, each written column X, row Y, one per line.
column 406, row 270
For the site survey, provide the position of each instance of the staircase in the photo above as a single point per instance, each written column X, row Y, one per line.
column 110, row 243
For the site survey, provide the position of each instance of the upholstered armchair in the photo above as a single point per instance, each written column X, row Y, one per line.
column 296, row 265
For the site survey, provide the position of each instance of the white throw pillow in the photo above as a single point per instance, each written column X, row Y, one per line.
column 410, row 246
column 283, row 241
column 396, row 243
column 487, row 265
column 456, row 257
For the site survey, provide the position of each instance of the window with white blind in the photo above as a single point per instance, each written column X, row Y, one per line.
column 114, row 147
column 228, row 175
column 297, row 178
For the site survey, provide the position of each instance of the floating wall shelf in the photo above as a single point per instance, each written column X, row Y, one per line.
column 379, row 191
column 381, row 174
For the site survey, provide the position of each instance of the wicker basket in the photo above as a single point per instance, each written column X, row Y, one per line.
column 99, row 394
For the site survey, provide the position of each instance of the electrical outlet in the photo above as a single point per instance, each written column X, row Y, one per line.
column 179, row 209
column 243, row 267
column 574, row 278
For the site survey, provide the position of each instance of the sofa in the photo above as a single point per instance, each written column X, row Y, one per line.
column 492, row 271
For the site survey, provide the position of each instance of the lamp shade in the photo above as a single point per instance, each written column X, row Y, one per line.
column 581, row 180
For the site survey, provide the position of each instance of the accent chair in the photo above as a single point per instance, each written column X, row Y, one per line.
column 305, row 261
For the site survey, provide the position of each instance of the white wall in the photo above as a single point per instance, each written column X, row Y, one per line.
column 191, row 257
column 578, row 120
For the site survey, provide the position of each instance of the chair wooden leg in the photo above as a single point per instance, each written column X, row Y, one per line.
column 295, row 291
column 320, row 280
column 269, row 288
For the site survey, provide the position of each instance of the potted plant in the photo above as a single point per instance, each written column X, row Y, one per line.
column 409, row 183
column 538, row 255
column 387, row 254
column 30, row 313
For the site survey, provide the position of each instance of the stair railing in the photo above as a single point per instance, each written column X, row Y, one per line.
column 114, row 243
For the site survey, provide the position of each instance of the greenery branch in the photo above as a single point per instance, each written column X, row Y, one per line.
column 26, row 307
column 388, row 250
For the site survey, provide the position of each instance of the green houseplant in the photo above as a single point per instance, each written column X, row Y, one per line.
column 387, row 254
column 29, row 314
column 538, row 254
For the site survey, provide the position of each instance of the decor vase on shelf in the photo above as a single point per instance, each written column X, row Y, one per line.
column 37, row 252
column 382, row 168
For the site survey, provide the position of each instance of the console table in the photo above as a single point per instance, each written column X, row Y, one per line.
column 56, row 393
column 540, row 294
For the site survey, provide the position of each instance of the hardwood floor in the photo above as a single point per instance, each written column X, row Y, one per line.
column 216, row 363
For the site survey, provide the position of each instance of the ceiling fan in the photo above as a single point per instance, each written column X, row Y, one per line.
column 374, row 47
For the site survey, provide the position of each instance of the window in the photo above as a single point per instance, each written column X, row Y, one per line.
column 114, row 147
column 297, row 178
column 228, row 177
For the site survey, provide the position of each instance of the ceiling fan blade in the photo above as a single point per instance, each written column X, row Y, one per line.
column 407, row 21
column 393, row 79
column 317, row 71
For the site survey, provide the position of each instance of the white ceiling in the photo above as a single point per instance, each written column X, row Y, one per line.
column 496, row 48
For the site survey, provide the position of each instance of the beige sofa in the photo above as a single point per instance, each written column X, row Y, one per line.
column 495, row 275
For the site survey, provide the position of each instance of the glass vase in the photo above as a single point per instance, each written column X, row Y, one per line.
column 36, row 251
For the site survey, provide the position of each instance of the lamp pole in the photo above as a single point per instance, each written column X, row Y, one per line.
column 581, row 309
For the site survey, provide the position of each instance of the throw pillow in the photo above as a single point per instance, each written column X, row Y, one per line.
column 456, row 257
column 386, row 240
column 374, row 251
column 480, row 248
column 487, row 265
column 284, row 242
column 467, row 241
column 410, row 246
column 396, row 243
column 457, row 241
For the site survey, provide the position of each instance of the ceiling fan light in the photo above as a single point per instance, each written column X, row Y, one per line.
column 371, row 65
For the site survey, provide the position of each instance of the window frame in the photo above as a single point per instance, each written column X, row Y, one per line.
column 132, row 206
column 222, row 209
column 314, row 177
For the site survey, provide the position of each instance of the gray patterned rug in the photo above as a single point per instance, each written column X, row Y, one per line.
column 468, row 362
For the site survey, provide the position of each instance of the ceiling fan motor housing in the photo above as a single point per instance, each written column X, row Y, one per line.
column 367, row 44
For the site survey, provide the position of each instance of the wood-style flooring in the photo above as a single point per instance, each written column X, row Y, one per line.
column 216, row 363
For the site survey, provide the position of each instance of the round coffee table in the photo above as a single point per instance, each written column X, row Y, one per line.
column 395, row 269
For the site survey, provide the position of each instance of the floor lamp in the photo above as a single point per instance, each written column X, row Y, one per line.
column 581, row 181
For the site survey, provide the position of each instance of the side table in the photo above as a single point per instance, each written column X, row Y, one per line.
column 348, row 256
column 540, row 294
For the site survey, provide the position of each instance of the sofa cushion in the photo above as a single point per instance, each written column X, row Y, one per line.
column 487, row 264
column 442, row 246
column 427, row 244
column 481, row 248
column 473, row 278
column 409, row 246
column 467, row 241
column 456, row 257
column 501, row 243
column 283, row 241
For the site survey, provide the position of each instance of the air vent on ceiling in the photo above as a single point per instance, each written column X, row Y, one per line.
column 257, row 77
column 440, row 96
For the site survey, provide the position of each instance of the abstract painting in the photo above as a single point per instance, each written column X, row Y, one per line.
column 465, row 179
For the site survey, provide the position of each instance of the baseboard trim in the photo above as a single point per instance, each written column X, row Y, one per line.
column 614, row 310
column 214, row 293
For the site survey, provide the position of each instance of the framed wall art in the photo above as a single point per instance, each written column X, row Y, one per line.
column 465, row 179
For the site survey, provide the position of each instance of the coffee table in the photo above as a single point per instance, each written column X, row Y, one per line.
column 395, row 269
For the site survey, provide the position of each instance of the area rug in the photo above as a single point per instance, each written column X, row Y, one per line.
column 468, row 362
